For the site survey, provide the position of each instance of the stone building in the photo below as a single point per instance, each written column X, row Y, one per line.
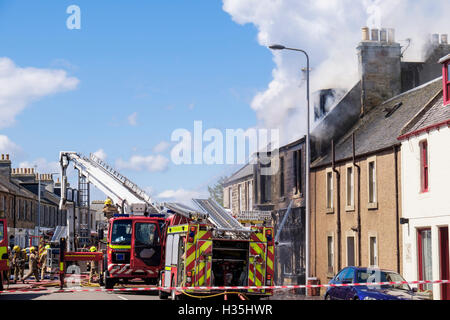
column 239, row 190
column 19, row 199
column 356, row 195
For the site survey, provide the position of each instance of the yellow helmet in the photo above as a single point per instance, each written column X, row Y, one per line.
column 47, row 247
column 93, row 249
column 16, row 248
column 24, row 250
column 32, row 249
column 108, row 202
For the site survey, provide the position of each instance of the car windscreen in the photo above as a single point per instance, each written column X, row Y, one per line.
column 121, row 232
column 146, row 234
column 373, row 276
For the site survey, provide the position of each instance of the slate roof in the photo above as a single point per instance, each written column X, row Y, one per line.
column 375, row 131
column 245, row 172
column 13, row 186
column 432, row 114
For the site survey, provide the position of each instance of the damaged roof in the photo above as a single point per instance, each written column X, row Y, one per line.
column 381, row 126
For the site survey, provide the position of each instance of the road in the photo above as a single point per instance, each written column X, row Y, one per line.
column 122, row 296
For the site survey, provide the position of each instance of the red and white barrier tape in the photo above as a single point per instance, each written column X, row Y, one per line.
column 370, row 284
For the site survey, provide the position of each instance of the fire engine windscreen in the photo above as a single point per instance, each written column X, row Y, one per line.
column 229, row 263
column 1, row 231
column 121, row 232
column 147, row 243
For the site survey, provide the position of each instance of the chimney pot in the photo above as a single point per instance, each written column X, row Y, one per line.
column 391, row 35
column 435, row 38
column 7, row 156
column 365, row 34
column 383, row 35
column 444, row 38
column 3, row 156
column 375, row 35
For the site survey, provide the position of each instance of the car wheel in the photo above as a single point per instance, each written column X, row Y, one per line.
column 327, row 297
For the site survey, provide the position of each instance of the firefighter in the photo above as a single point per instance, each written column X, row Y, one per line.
column 93, row 265
column 25, row 260
column 33, row 265
column 17, row 262
column 43, row 261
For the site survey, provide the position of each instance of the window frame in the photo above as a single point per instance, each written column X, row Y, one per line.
column 372, row 203
column 350, row 206
column 282, row 191
column 446, row 82
column 424, row 167
column 375, row 251
column 330, row 255
column 348, row 236
column 329, row 194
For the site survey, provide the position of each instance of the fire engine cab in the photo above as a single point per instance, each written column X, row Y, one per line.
column 134, row 249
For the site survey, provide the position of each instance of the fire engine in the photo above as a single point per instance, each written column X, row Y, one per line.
column 4, row 259
column 136, row 224
column 212, row 248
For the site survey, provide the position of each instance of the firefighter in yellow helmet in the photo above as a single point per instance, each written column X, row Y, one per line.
column 43, row 261
column 93, row 265
column 25, row 260
column 18, row 261
column 33, row 265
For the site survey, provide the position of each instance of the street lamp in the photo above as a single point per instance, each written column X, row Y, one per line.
column 280, row 47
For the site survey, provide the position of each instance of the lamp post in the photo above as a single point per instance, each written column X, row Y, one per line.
column 280, row 47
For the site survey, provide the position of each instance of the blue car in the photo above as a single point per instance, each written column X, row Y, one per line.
column 351, row 275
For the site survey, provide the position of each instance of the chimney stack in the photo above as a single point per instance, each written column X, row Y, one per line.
column 379, row 68
column 5, row 166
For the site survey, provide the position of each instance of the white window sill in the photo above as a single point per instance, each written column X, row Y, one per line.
column 372, row 206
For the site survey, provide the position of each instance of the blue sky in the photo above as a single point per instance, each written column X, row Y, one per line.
column 138, row 70
column 169, row 62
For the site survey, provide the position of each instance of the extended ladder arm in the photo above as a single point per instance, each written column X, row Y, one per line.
column 121, row 190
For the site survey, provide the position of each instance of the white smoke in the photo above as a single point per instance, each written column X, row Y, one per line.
column 329, row 30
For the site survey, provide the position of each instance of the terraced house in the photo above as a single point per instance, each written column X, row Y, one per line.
column 356, row 182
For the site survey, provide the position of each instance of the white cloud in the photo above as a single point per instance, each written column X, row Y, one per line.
column 161, row 147
column 101, row 154
column 9, row 147
column 42, row 165
column 21, row 86
column 181, row 195
column 132, row 119
column 141, row 163
column 329, row 30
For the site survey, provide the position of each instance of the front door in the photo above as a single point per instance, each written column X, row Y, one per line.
column 425, row 270
column 145, row 245
column 444, row 261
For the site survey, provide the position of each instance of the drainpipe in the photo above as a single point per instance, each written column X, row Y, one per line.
column 359, row 199
column 338, row 205
column 397, row 213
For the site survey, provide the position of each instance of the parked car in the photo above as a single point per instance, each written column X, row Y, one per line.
column 351, row 275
